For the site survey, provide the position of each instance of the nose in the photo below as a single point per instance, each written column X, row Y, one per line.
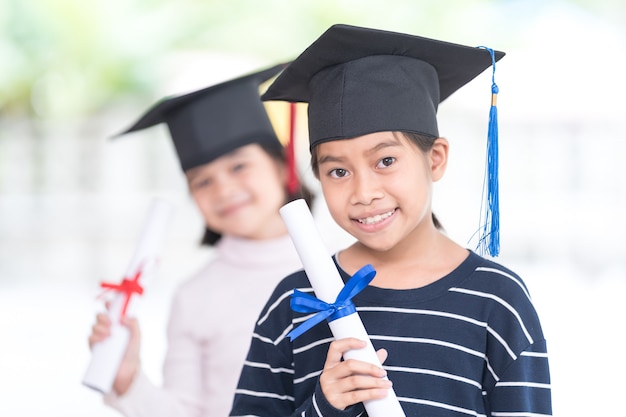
column 224, row 186
column 366, row 189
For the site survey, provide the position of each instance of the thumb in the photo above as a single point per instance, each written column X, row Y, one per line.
column 132, row 324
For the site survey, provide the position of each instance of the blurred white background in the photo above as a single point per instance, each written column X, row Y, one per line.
column 72, row 200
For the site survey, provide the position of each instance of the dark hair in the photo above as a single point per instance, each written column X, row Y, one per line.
column 423, row 142
column 277, row 153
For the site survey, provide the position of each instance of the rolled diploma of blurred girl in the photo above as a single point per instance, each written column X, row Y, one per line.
column 107, row 355
column 327, row 284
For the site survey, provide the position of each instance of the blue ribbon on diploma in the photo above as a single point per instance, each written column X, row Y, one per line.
column 343, row 306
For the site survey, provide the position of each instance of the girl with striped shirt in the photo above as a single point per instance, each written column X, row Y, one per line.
column 457, row 333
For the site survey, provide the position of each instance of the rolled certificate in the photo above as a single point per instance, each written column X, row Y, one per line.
column 327, row 284
column 107, row 355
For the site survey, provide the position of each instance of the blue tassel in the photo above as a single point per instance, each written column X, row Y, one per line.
column 489, row 229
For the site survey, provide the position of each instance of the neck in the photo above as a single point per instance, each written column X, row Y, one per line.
column 406, row 266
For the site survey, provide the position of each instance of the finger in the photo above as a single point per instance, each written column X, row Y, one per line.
column 103, row 324
column 353, row 389
column 356, row 367
column 363, row 395
column 338, row 347
column 133, row 326
column 355, row 382
column 99, row 331
column 98, row 334
column 382, row 355
column 103, row 318
column 131, row 361
column 93, row 339
column 132, row 323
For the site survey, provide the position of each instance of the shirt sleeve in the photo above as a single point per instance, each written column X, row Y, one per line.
column 144, row 399
column 524, row 388
column 181, row 394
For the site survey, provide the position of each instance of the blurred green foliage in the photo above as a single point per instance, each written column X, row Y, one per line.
column 71, row 57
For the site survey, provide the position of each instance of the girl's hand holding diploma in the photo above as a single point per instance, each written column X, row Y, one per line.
column 130, row 363
column 351, row 381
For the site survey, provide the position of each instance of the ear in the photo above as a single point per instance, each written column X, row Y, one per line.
column 438, row 157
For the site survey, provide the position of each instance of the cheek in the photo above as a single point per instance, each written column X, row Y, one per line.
column 334, row 198
column 203, row 202
column 327, row 191
column 268, row 185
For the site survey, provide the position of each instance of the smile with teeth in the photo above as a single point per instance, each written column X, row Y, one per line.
column 377, row 218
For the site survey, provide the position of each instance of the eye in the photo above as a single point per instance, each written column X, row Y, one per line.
column 385, row 162
column 200, row 183
column 238, row 167
column 338, row 173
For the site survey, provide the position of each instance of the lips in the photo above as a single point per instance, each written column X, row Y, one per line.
column 233, row 205
column 376, row 218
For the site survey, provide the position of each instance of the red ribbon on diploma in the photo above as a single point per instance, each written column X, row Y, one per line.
column 127, row 287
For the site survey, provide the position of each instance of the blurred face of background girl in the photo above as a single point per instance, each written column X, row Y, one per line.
column 240, row 193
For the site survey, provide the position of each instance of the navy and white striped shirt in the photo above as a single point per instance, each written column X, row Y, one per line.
column 469, row 344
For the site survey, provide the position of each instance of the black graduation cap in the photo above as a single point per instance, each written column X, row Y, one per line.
column 211, row 122
column 360, row 80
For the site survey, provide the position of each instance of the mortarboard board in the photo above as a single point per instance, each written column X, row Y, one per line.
column 360, row 80
column 211, row 122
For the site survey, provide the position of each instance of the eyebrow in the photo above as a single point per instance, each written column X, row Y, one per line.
column 328, row 158
column 193, row 173
column 382, row 145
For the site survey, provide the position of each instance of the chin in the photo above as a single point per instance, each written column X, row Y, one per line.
column 375, row 243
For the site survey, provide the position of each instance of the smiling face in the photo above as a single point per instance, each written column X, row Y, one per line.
column 378, row 187
column 240, row 193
